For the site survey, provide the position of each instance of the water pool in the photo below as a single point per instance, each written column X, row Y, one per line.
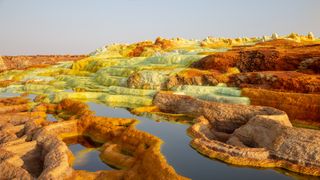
column 179, row 154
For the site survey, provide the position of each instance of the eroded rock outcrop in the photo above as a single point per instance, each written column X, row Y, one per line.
column 32, row 147
column 289, row 81
column 275, row 55
column 192, row 77
column 247, row 135
column 21, row 158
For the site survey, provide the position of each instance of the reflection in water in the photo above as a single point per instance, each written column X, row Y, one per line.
column 187, row 161
column 51, row 118
column 29, row 96
column 86, row 154
column 32, row 96
column 4, row 95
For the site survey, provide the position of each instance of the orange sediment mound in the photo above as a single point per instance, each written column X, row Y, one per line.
column 298, row 106
column 219, row 61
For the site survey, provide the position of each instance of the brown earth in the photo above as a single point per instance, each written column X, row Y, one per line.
column 23, row 62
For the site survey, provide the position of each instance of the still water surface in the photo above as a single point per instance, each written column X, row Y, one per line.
column 181, row 156
column 86, row 154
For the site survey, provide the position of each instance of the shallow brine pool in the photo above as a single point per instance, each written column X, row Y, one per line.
column 86, row 154
column 179, row 154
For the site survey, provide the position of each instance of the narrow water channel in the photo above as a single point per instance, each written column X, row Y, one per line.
column 86, row 154
column 51, row 118
column 187, row 161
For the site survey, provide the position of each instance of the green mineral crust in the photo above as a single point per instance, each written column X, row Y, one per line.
column 124, row 75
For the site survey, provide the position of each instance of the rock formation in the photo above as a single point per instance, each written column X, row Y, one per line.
column 32, row 147
column 289, row 81
column 219, row 93
column 192, row 77
column 247, row 135
column 275, row 55
column 23, row 62
column 286, row 68
column 298, row 106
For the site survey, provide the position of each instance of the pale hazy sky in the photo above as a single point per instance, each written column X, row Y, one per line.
column 80, row 26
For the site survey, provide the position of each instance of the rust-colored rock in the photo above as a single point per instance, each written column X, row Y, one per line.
column 219, row 61
column 298, row 106
column 275, row 55
column 280, row 80
column 6, row 83
column 143, row 47
column 278, row 58
column 23, row 62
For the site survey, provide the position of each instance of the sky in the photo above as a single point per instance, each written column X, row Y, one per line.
column 80, row 26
